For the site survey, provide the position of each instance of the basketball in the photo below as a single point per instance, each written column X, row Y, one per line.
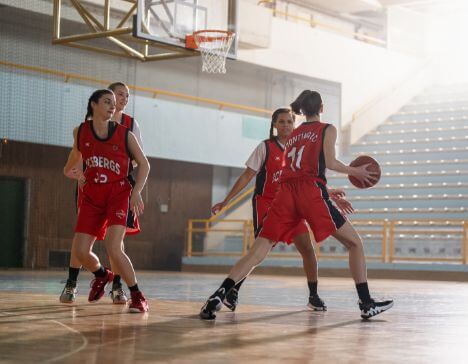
column 373, row 167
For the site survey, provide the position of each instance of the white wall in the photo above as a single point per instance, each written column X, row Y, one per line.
column 171, row 128
column 363, row 70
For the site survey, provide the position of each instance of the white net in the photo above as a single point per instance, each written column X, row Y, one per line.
column 214, row 46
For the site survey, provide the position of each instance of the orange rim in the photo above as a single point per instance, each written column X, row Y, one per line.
column 208, row 38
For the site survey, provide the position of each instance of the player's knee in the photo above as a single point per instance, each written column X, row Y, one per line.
column 81, row 253
column 114, row 254
column 354, row 243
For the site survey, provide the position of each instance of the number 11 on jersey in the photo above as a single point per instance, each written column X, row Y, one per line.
column 292, row 155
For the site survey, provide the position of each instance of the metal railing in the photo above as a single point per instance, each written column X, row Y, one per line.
column 428, row 228
column 318, row 24
column 205, row 226
column 153, row 91
column 388, row 232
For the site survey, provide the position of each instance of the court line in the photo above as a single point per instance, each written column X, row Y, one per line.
column 63, row 356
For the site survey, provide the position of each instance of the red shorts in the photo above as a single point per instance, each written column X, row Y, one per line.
column 261, row 206
column 133, row 225
column 101, row 206
column 297, row 200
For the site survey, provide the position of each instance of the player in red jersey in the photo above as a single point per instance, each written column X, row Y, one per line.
column 265, row 164
column 122, row 94
column 117, row 293
column 107, row 149
column 303, row 195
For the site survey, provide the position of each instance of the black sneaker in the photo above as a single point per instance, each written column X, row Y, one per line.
column 69, row 292
column 373, row 308
column 316, row 303
column 231, row 299
column 209, row 309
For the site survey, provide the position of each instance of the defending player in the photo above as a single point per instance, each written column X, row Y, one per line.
column 265, row 165
column 303, row 195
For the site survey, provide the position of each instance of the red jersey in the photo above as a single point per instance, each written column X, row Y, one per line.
column 268, row 177
column 127, row 121
column 106, row 160
column 304, row 157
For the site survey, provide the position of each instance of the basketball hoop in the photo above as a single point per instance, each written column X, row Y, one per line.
column 214, row 46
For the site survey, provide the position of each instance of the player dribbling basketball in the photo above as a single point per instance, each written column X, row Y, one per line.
column 302, row 195
column 265, row 164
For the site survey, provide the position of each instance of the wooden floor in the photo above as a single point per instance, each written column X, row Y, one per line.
column 428, row 324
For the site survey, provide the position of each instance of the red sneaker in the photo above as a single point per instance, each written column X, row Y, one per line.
column 98, row 284
column 138, row 302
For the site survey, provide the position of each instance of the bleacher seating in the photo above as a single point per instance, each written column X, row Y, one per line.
column 423, row 152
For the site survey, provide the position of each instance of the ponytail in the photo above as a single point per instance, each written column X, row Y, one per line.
column 307, row 103
column 272, row 135
column 89, row 111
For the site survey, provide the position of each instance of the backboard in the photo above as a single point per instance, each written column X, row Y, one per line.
column 167, row 22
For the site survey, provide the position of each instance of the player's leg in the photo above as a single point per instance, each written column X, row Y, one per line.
column 133, row 227
column 325, row 219
column 260, row 208
column 256, row 254
column 117, row 292
column 83, row 244
column 280, row 220
column 91, row 225
column 114, row 247
column 304, row 246
column 369, row 307
column 117, row 213
column 69, row 291
column 349, row 237
column 82, row 252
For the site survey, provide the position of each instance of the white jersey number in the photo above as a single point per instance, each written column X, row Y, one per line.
column 292, row 155
column 100, row 178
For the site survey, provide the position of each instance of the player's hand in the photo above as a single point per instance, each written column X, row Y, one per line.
column 365, row 176
column 81, row 181
column 217, row 208
column 74, row 173
column 136, row 203
column 336, row 193
column 344, row 205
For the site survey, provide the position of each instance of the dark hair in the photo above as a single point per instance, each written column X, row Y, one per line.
column 274, row 118
column 114, row 85
column 307, row 103
column 95, row 98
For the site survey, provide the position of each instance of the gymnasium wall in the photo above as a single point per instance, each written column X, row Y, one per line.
column 194, row 149
column 45, row 108
column 184, row 187
column 365, row 71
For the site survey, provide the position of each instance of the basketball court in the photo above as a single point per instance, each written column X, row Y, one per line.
column 271, row 324
column 204, row 77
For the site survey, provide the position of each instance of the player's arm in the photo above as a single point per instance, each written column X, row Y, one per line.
column 137, row 132
column 73, row 168
column 136, row 202
column 334, row 164
column 240, row 184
